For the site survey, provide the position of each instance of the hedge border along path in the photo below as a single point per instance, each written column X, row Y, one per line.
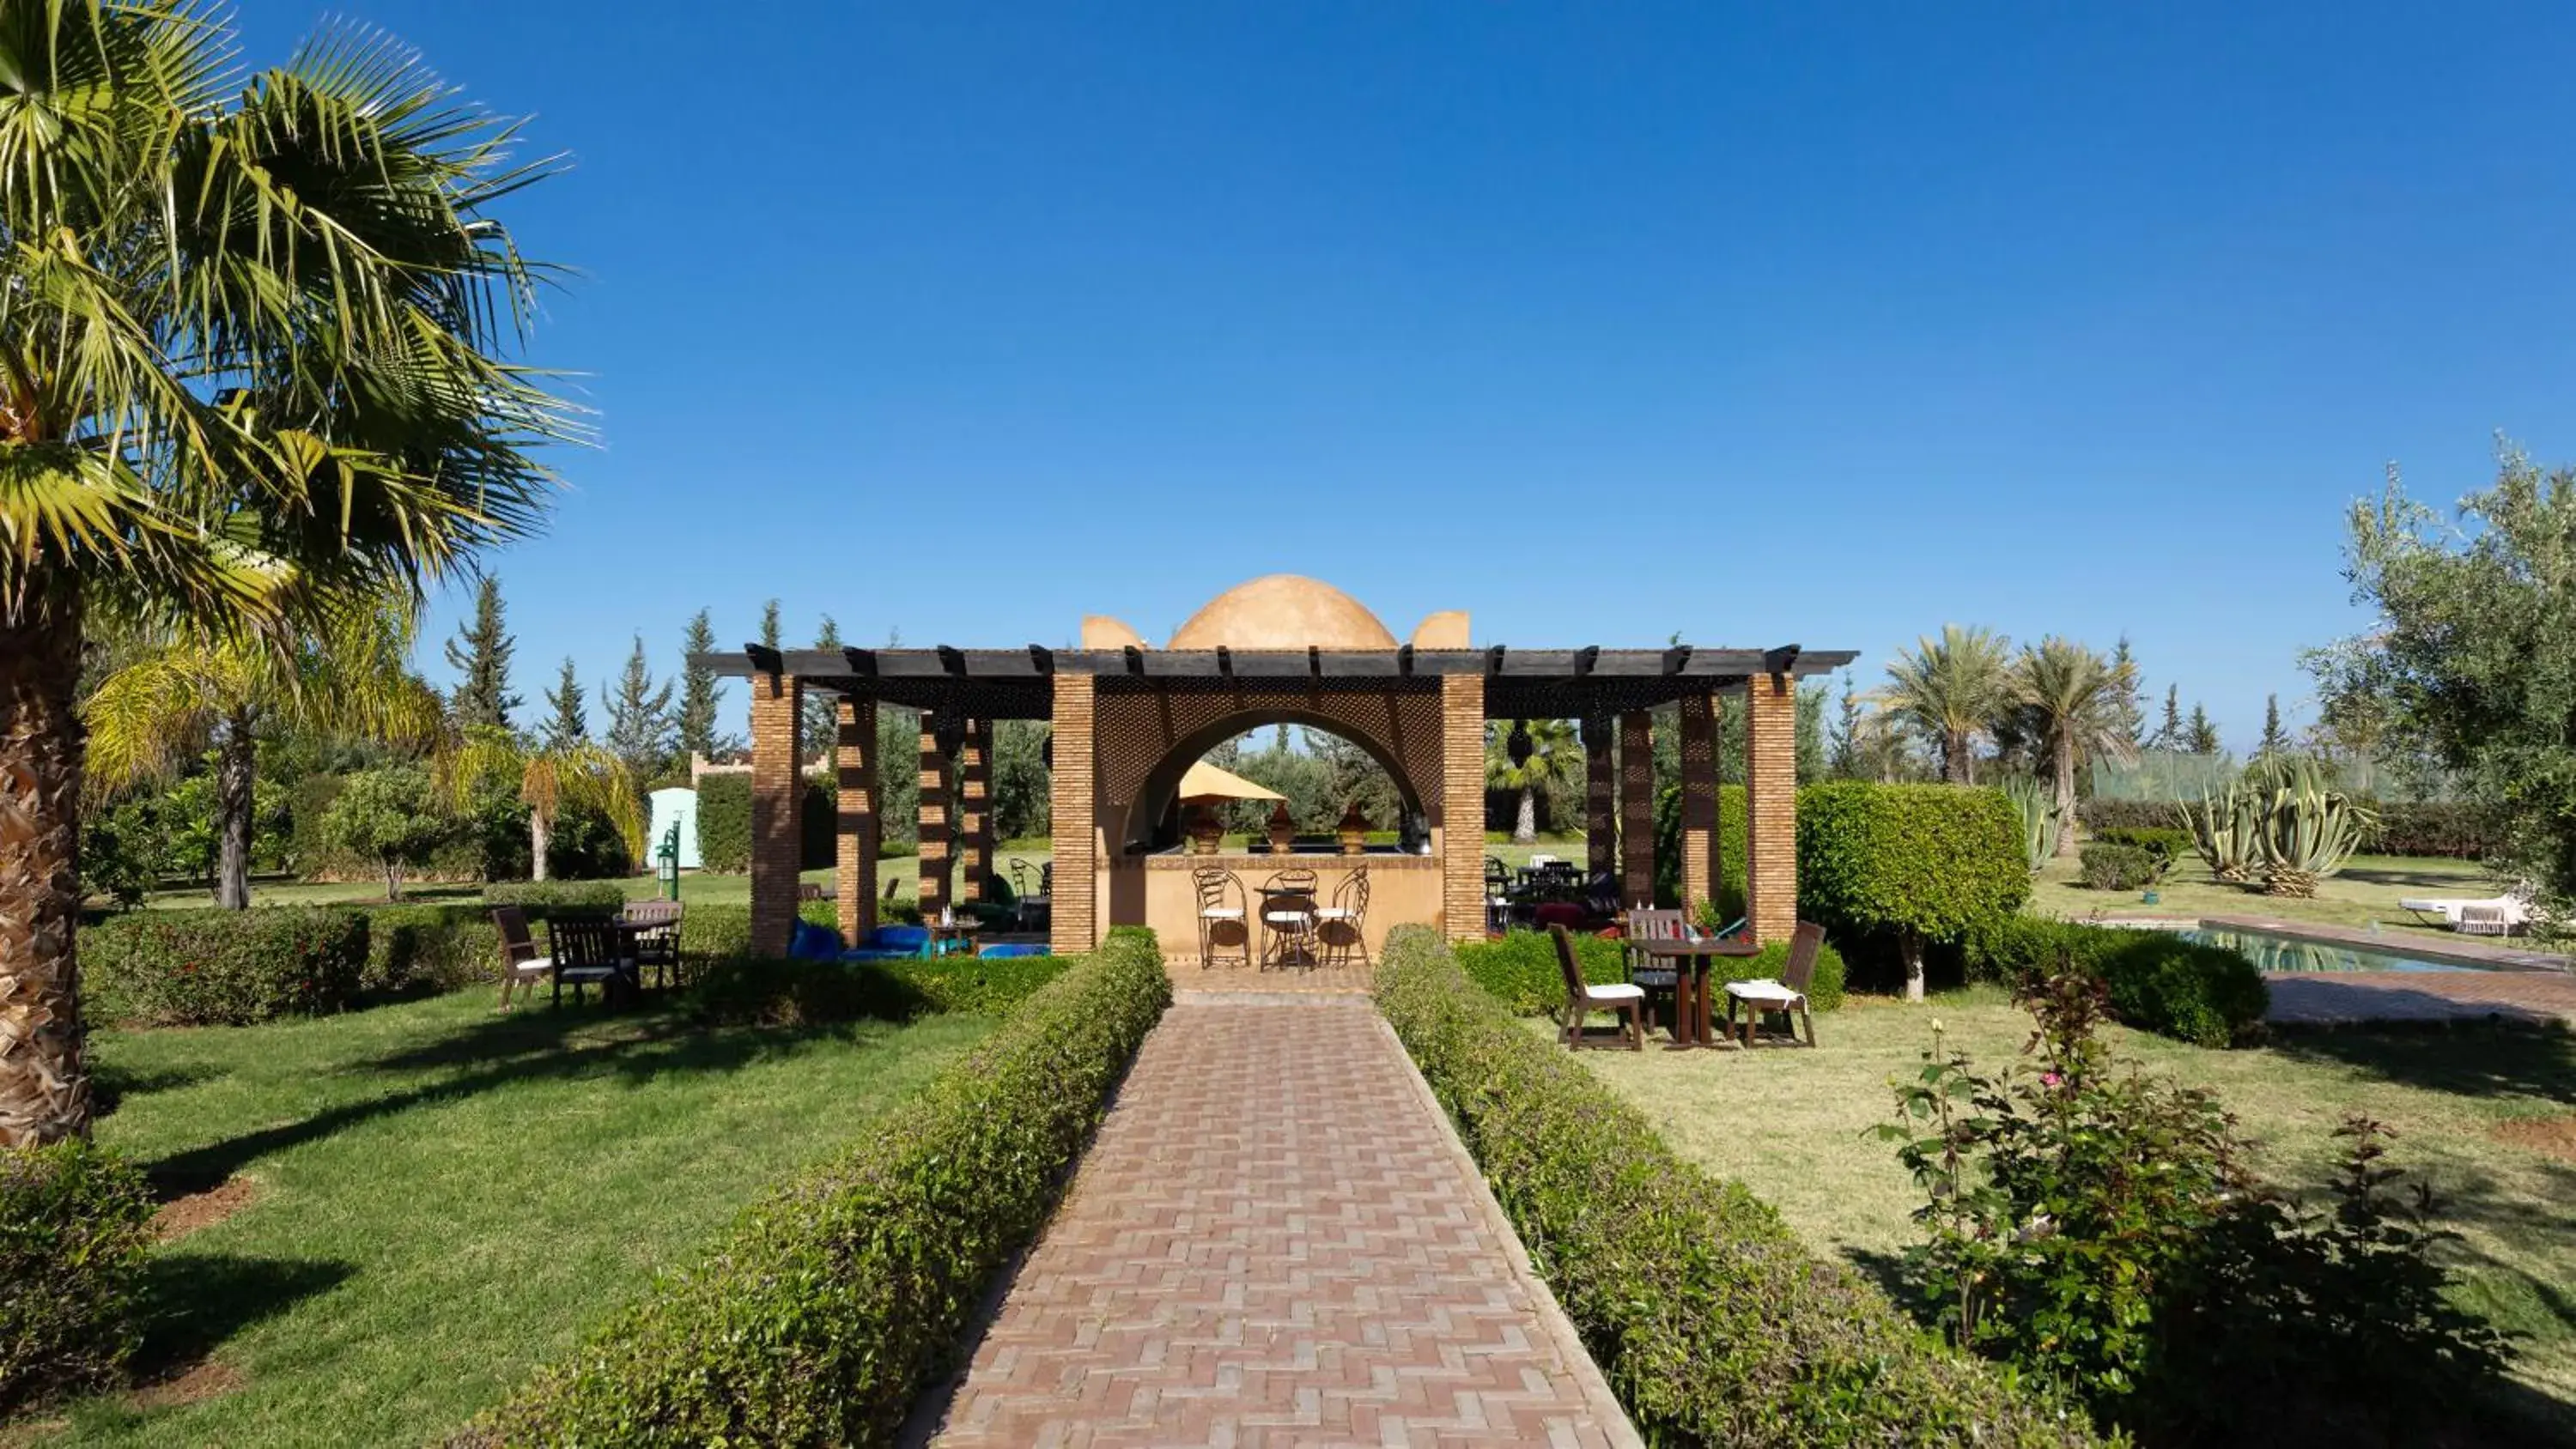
column 836, row 1301
column 1712, row 1323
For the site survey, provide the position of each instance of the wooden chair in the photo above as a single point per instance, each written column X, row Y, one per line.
column 1583, row 998
column 1783, row 996
column 1343, row 925
column 1288, row 918
column 1035, row 909
column 1223, row 918
column 1498, row 894
column 656, row 950
column 521, row 964
column 1659, row 978
column 585, row 950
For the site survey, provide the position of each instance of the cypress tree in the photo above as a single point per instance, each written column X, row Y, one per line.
column 2169, row 735
column 480, row 655
column 570, row 723
column 697, row 719
column 639, row 718
column 769, row 625
column 2275, row 739
column 822, row 727
column 2201, row 736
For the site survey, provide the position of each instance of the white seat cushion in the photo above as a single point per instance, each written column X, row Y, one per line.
column 1286, row 918
column 1615, row 991
column 1338, row 913
column 1761, row 991
column 534, row 965
column 1222, row 913
column 588, row 973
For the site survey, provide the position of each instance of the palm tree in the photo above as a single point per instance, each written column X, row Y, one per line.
column 1550, row 755
column 1952, row 689
column 2075, row 703
column 572, row 775
column 252, row 338
column 200, row 689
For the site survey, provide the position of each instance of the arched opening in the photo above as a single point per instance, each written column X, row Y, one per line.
column 1323, row 765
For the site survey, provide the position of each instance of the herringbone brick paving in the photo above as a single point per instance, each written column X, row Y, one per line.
column 1273, row 1241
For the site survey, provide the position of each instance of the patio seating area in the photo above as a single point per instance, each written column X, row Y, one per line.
column 619, row 954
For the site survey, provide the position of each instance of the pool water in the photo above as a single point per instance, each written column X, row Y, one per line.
column 2269, row 952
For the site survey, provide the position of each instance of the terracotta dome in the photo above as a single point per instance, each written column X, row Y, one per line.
column 1283, row 611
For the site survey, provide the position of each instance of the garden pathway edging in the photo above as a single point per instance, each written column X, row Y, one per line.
column 1277, row 1237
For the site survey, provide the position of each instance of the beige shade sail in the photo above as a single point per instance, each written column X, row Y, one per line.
column 1204, row 781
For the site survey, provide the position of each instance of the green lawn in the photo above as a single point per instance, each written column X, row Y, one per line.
column 2368, row 890
column 1794, row 1127
column 445, row 1197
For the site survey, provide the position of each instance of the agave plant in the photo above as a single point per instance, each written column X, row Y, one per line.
column 2223, row 828
column 2305, row 829
column 2040, row 826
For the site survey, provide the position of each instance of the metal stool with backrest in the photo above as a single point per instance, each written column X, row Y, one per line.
column 1781, row 997
column 1288, row 918
column 1583, row 998
column 1498, row 894
column 1343, row 925
column 1224, row 919
column 1661, row 979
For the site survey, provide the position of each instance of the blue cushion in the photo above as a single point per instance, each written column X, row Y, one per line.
column 1003, row 949
column 811, row 942
column 897, row 941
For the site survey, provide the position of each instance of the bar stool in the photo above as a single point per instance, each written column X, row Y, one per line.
column 1222, row 915
column 1344, row 924
column 1288, row 918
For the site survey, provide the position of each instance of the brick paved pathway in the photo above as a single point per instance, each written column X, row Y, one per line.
column 1275, row 1240
column 2538, row 997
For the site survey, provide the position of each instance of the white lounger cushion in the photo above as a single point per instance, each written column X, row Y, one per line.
column 1615, row 991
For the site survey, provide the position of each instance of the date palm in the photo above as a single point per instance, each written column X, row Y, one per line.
column 2074, row 701
column 1952, row 689
column 252, row 338
column 200, row 690
column 1555, row 761
column 550, row 779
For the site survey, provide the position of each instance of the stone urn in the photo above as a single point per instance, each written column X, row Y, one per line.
column 1353, row 830
column 1283, row 830
column 1206, row 831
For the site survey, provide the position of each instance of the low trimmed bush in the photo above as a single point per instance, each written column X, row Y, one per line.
column 814, row 993
column 2159, row 982
column 540, row 896
column 1520, row 970
column 1709, row 1319
column 2100, row 815
column 430, row 949
column 837, row 1300
column 224, row 968
column 2433, row 827
column 73, row 1237
column 2111, row 867
column 2170, row 843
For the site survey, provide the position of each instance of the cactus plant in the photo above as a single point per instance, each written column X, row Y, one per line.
column 2039, row 822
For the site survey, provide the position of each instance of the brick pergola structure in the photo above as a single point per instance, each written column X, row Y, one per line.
column 1129, row 718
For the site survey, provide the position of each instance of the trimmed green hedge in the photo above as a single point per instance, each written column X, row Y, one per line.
column 724, row 824
column 843, row 1296
column 813, row 993
column 2110, row 866
column 1907, row 865
column 2159, row 982
column 1520, row 970
column 224, row 968
column 540, row 896
column 74, row 1233
column 1711, row 1322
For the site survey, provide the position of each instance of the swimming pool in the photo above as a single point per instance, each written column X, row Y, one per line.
column 2270, row 952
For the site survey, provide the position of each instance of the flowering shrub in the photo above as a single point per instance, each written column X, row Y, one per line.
column 2098, row 1228
column 72, row 1244
column 223, row 968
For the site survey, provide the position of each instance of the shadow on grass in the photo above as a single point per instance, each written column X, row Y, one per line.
column 110, row 1084
column 2464, row 885
column 2469, row 1058
column 540, row 1046
column 194, row 1302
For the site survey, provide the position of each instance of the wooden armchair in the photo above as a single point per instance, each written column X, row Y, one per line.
column 1583, row 998
column 521, row 963
column 1781, row 997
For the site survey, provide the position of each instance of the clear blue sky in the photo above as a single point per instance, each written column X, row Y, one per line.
column 1824, row 324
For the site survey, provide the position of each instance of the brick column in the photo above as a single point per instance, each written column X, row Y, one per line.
column 1636, row 808
column 776, row 701
column 1771, row 806
column 1700, row 848
column 974, row 809
column 1073, row 793
column 936, row 831
column 1462, row 805
column 1600, row 798
column 855, row 756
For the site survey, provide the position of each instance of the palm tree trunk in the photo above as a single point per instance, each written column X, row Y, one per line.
column 235, row 759
column 1958, row 766
column 541, row 833
column 1525, row 829
column 2065, row 797
column 44, row 1082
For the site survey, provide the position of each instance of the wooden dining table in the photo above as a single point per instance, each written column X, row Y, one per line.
column 1690, row 962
